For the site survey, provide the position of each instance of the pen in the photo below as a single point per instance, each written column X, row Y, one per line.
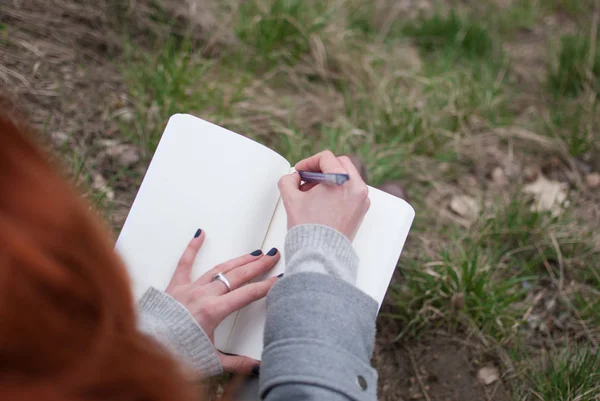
column 335, row 179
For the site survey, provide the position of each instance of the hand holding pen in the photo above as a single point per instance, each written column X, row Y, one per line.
column 339, row 203
column 323, row 178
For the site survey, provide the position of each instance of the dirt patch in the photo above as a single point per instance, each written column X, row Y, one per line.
column 436, row 369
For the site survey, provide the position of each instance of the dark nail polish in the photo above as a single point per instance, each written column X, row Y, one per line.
column 256, row 370
column 272, row 252
column 280, row 275
column 256, row 253
column 198, row 232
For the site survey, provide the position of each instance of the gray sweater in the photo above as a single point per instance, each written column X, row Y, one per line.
column 319, row 331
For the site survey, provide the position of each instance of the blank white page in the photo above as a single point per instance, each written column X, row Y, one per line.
column 378, row 243
column 380, row 240
column 201, row 176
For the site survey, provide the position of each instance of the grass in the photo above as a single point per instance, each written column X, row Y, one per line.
column 452, row 34
column 578, row 66
column 569, row 375
column 421, row 99
column 281, row 30
column 463, row 289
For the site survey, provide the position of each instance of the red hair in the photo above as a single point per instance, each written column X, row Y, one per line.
column 67, row 317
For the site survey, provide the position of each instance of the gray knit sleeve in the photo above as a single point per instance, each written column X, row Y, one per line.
column 320, row 249
column 172, row 325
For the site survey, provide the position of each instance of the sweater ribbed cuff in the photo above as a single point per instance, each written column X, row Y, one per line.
column 172, row 325
column 320, row 249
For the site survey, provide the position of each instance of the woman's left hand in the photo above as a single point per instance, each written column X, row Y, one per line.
column 210, row 302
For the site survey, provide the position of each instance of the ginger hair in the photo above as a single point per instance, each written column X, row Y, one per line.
column 67, row 316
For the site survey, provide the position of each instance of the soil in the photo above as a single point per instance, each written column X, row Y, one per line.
column 434, row 368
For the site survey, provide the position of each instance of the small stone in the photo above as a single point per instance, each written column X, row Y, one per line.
column 465, row 206
column 488, row 374
column 592, row 180
column 126, row 155
column 59, row 138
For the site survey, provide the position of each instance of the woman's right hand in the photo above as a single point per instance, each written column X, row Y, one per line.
column 341, row 207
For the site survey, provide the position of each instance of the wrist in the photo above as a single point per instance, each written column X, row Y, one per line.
column 321, row 249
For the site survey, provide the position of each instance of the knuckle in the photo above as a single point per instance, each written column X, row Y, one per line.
column 362, row 192
column 344, row 159
column 328, row 153
column 244, row 275
column 256, row 292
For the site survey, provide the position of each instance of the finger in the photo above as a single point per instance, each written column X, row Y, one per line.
column 246, row 273
column 241, row 365
column 324, row 161
column 351, row 170
column 237, row 299
column 307, row 186
column 289, row 184
column 226, row 267
column 183, row 270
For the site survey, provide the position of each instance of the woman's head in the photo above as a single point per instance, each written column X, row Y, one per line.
column 67, row 320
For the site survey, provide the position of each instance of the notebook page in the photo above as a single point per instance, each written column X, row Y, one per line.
column 201, row 176
column 380, row 240
column 378, row 243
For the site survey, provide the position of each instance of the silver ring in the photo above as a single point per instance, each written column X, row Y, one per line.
column 221, row 277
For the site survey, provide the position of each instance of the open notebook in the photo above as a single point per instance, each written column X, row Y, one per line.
column 205, row 176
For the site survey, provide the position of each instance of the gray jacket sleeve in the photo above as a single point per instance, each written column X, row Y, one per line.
column 320, row 329
column 168, row 322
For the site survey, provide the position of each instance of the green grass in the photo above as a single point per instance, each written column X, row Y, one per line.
column 462, row 289
column 460, row 36
column 578, row 66
column 280, row 30
column 172, row 81
column 568, row 375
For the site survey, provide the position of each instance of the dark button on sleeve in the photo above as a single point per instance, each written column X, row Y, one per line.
column 362, row 382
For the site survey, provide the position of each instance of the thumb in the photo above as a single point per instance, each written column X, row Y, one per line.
column 289, row 185
column 241, row 365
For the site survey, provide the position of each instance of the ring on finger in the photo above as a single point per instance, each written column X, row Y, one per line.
column 221, row 277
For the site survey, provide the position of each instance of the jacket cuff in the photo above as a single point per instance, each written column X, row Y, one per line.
column 320, row 249
column 173, row 326
column 327, row 327
column 318, row 364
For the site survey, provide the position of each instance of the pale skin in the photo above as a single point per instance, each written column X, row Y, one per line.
column 340, row 207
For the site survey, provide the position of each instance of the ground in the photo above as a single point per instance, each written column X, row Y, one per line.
column 483, row 113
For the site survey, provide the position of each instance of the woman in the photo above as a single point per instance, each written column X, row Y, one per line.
column 69, row 329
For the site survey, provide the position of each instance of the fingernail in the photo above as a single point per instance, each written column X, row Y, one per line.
column 256, row 371
column 198, row 232
column 272, row 252
column 256, row 253
column 280, row 275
